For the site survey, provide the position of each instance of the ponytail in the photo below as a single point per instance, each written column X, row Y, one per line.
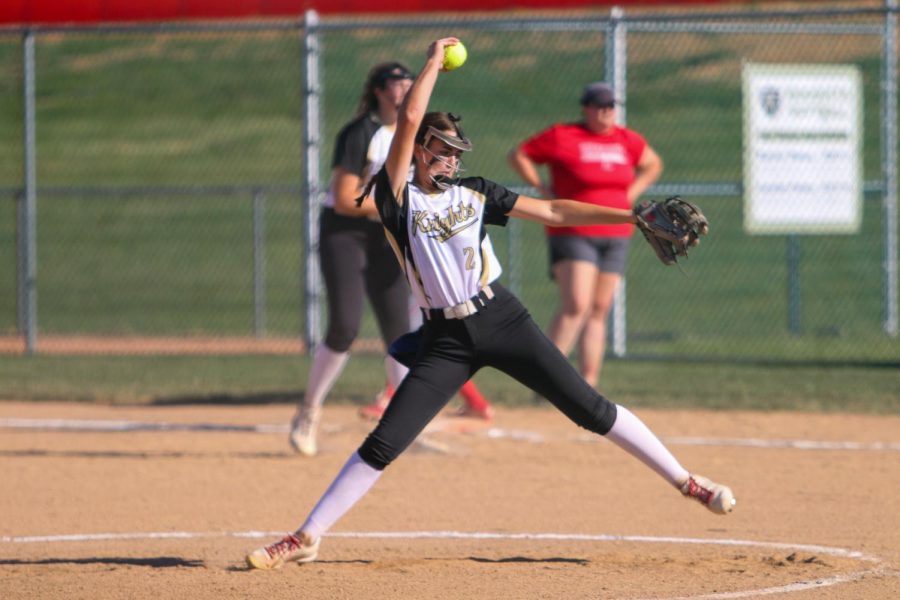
column 366, row 191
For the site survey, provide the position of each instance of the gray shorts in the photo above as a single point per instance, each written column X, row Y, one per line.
column 607, row 254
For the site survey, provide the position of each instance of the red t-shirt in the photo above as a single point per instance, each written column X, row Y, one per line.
column 589, row 167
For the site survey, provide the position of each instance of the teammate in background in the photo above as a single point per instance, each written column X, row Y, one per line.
column 436, row 225
column 355, row 257
column 598, row 162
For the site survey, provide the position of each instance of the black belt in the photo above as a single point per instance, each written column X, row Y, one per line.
column 464, row 309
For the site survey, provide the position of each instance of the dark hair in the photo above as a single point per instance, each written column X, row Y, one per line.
column 442, row 121
column 598, row 94
column 378, row 77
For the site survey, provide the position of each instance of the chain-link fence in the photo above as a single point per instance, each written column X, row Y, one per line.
column 171, row 172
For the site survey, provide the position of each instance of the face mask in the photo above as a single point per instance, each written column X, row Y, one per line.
column 442, row 182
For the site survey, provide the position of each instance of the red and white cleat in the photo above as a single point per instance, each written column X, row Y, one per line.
column 716, row 497
column 294, row 547
column 485, row 412
column 373, row 412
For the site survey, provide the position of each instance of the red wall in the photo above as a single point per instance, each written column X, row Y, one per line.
column 93, row 11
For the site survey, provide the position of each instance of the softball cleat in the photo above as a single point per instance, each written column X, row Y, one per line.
column 485, row 413
column 716, row 497
column 303, row 431
column 294, row 547
column 374, row 411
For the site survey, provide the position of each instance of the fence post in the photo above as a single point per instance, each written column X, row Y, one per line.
column 616, row 61
column 793, row 283
column 28, row 237
column 514, row 251
column 21, row 303
column 312, row 141
column 889, row 165
column 259, row 263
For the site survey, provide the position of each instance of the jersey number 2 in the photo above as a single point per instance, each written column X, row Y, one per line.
column 470, row 257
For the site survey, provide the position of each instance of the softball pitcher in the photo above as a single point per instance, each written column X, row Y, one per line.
column 357, row 262
column 435, row 224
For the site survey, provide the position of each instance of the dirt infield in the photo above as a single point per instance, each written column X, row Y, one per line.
column 146, row 502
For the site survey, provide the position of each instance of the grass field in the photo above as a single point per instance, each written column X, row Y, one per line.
column 211, row 109
column 281, row 379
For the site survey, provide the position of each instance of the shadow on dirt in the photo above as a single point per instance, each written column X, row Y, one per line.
column 277, row 397
column 289, row 397
column 156, row 562
column 526, row 559
column 246, row 569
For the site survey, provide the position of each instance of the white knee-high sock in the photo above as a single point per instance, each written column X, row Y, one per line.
column 630, row 434
column 351, row 484
column 395, row 371
column 327, row 366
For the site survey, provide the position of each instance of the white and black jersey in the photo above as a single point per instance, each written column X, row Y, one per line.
column 362, row 147
column 446, row 232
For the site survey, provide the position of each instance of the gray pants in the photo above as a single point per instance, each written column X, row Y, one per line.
column 358, row 263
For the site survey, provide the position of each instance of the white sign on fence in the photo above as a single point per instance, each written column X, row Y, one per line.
column 802, row 141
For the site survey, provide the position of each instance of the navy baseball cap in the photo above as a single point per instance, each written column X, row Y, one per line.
column 389, row 71
column 598, row 94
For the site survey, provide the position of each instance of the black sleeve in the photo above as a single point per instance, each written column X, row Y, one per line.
column 389, row 210
column 498, row 200
column 352, row 148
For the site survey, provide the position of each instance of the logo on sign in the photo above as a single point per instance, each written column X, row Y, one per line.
column 770, row 100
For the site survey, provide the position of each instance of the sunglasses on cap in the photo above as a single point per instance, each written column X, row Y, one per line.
column 395, row 72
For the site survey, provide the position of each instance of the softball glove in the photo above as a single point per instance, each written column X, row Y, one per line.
column 671, row 227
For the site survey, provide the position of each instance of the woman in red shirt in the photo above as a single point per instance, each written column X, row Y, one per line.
column 598, row 162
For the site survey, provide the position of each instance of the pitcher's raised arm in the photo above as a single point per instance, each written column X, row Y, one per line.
column 410, row 117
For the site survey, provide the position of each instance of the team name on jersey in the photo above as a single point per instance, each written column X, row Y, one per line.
column 442, row 228
column 606, row 154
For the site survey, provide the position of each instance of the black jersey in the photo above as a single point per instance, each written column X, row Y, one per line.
column 362, row 147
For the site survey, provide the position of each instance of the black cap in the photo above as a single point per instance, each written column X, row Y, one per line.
column 598, row 94
column 391, row 71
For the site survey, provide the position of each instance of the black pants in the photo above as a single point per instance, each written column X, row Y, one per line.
column 501, row 335
column 357, row 262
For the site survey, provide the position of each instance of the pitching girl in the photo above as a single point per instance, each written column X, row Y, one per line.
column 357, row 261
column 435, row 224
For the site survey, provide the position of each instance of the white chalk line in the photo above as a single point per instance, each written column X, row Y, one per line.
column 820, row 582
column 98, row 425
column 118, row 426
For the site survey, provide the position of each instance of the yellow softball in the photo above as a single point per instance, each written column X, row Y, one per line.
column 454, row 56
